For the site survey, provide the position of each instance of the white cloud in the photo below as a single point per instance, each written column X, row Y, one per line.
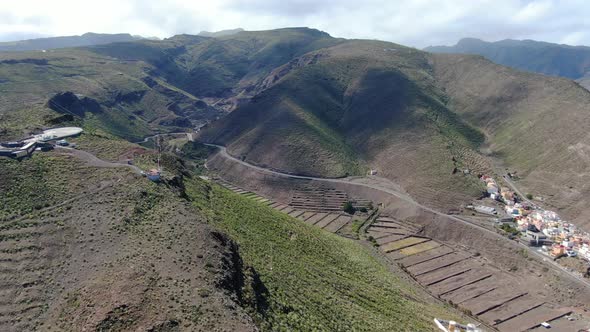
column 412, row 22
column 534, row 11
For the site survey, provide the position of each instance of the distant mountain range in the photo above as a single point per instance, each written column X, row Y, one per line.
column 221, row 33
column 87, row 39
column 540, row 57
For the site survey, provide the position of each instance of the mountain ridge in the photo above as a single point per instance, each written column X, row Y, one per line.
column 49, row 43
column 541, row 57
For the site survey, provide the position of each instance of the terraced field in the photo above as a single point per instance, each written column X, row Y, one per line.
column 463, row 279
column 453, row 275
column 320, row 198
column 307, row 205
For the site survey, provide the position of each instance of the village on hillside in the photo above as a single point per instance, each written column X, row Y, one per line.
column 535, row 226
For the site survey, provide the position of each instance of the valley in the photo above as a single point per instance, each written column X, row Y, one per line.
column 285, row 180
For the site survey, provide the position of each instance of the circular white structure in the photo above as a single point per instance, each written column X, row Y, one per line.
column 58, row 133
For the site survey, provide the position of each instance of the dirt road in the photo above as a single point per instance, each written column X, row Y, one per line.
column 93, row 160
column 189, row 135
column 387, row 187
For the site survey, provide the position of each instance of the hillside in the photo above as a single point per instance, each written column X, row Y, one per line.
column 299, row 101
column 540, row 57
column 186, row 254
column 70, row 231
column 172, row 260
column 344, row 109
column 134, row 89
column 75, row 86
column 221, row 68
column 221, row 33
column 536, row 125
column 50, row 43
column 313, row 280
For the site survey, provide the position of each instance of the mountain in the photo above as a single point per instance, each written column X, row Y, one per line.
column 49, row 43
column 80, row 87
column 540, row 57
column 221, row 33
column 183, row 254
column 301, row 101
column 220, row 67
column 357, row 105
column 536, row 125
column 416, row 118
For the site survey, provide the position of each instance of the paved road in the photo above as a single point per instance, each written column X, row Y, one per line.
column 549, row 261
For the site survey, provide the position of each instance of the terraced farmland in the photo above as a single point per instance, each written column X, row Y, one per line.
column 307, row 205
column 463, row 279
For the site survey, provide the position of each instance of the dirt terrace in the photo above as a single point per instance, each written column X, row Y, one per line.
column 472, row 253
column 459, row 277
column 310, row 212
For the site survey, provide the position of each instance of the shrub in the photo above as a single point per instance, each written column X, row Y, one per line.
column 348, row 208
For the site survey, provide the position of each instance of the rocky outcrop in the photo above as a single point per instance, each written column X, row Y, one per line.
column 71, row 103
column 241, row 282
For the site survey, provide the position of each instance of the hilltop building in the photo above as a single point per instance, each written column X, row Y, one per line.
column 26, row 147
column 17, row 149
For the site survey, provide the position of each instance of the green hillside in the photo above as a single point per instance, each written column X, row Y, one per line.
column 76, row 87
column 49, row 43
column 213, row 67
column 305, row 279
column 219, row 261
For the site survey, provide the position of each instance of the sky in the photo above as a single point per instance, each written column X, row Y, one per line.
column 416, row 23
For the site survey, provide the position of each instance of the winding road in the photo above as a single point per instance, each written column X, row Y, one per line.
column 93, row 160
column 223, row 152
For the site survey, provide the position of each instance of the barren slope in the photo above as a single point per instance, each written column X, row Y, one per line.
column 357, row 105
column 538, row 125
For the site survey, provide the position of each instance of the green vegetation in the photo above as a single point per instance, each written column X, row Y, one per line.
column 196, row 152
column 509, row 229
column 333, row 284
column 529, row 196
column 357, row 224
column 348, row 208
column 103, row 145
column 44, row 180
